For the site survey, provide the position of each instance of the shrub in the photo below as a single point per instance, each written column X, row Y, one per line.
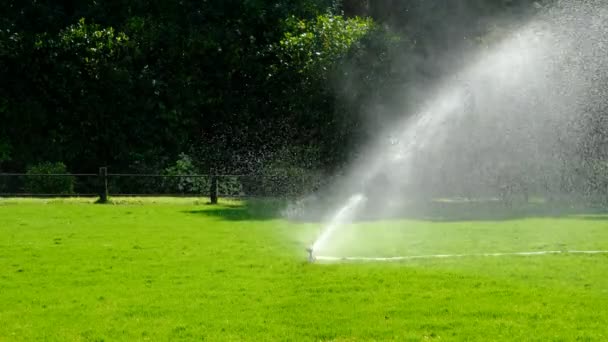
column 185, row 185
column 49, row 184
column 229, row 186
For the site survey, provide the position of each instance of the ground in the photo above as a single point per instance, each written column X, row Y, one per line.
column 181, row 270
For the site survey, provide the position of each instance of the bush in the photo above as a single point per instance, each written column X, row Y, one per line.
column 49, row 184
column 185, row 185
column 230, row 186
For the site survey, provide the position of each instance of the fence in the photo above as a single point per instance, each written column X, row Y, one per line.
column 104, row 184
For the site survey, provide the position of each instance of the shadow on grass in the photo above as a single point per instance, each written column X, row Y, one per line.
column 251, row 210
column 490, row 211
column 256, row 210
column 591, row 217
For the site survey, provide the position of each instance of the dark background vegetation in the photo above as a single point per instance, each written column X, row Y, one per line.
column 237, row 86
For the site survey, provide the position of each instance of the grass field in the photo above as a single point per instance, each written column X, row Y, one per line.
column 179, row 270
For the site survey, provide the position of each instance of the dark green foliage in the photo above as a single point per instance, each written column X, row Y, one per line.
column 230, row 186
column 131, row 84
column 5, row 151
column 284, row 175
column 56, row 183
column 185, row 185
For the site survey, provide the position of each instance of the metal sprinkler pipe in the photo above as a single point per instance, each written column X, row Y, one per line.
column 311, row 258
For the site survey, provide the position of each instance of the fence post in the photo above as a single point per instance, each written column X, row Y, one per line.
column 103, row 185
column 213, row 188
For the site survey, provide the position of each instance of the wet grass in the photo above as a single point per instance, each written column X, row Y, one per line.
column 151, row 269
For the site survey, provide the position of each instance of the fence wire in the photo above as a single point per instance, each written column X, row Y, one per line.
column 126, row 184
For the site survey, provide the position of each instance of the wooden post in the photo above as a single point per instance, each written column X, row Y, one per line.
column 103, row 185
column 213, row 188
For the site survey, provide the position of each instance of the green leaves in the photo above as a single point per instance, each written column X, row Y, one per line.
column 93, row 44
column 49, row 184
column 315, row 46
column 238, row 80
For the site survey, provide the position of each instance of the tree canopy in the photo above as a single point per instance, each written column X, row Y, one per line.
column 236, row 85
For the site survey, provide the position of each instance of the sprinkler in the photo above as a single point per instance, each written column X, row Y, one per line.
column 311, row 258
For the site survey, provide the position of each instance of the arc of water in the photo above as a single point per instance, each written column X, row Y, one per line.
column 341, row 217
column 419, row 132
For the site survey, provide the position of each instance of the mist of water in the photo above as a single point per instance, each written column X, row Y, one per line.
column 518, row 110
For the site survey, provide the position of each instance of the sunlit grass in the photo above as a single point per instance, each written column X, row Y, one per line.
column 178, row 269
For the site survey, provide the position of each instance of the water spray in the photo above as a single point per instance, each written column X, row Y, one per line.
column 476, row 128
column 343, row 216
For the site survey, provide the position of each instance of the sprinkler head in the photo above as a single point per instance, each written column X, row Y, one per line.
column 311, row 258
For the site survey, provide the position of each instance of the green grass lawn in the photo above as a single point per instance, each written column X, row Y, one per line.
column 179, row 270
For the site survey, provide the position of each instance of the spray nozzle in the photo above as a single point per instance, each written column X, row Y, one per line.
column 311, row 258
